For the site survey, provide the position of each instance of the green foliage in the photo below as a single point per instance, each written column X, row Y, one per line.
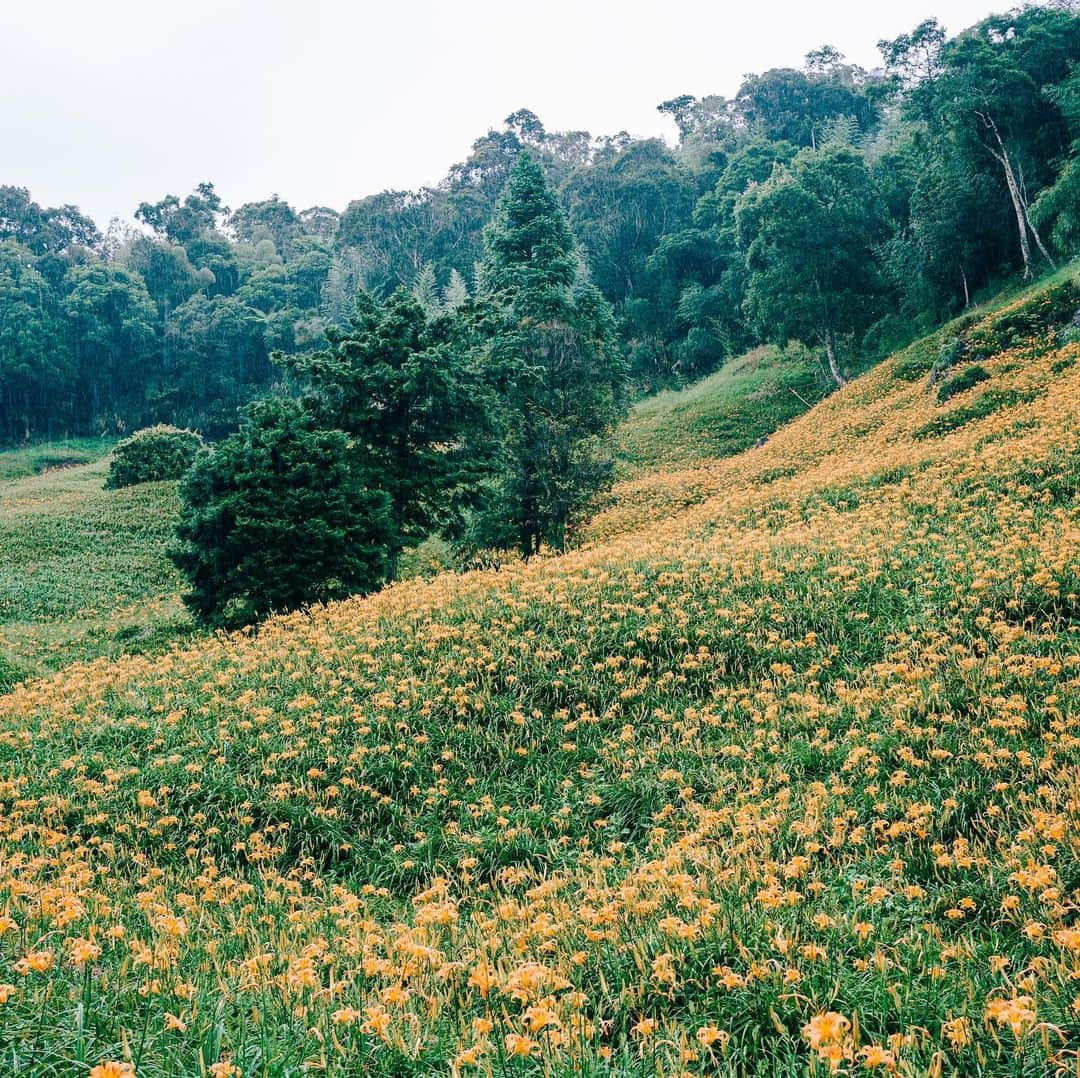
column 621, row 207
column 802, row 106
column 152, row 455
column 181, row 222
column 32, row 368
column 967, row 379
column 43, row 231
column 530, row 262
column 84, row 572
column 427, row 559
column 986, row 102
column 278, row 516
column 407, row 390
column 425, row 290
column 809, row 234
column 111, row 319
column 1057, row 210
column 552, row 357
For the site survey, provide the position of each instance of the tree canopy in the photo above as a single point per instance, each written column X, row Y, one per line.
column 962, row 151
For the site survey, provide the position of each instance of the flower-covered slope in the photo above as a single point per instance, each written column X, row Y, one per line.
column 778, row 774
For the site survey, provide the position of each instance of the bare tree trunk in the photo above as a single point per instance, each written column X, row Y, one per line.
column 1018, row 208
column 967, row 294
column 1023, row 218
column 834, row 366
column 1038, row 239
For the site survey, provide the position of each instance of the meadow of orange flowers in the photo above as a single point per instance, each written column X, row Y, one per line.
column 779, row 773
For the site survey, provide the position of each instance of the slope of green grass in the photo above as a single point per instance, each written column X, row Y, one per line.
column 84, row 571
column 749, row 398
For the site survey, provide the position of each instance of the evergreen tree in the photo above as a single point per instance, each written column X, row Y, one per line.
column 279, row 515
column 425, row 290
column 404, row 388
column 553, row 358
column 456, row 292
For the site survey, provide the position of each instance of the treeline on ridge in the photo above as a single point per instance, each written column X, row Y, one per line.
column 842, row 207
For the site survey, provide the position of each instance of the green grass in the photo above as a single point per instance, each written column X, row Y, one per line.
column 84, row 571
column 48, row 456
column 749, row 398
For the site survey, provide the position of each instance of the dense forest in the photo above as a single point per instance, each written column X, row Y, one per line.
column 845, row 208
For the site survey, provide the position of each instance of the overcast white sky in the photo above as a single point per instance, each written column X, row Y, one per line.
column 105, row 103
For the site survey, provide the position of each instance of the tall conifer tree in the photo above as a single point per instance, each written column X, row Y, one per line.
column 553, row 356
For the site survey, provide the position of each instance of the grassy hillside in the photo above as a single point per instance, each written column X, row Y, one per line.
column 781, row 782
column 747, row 399
column 51, row 456
column 84, row 571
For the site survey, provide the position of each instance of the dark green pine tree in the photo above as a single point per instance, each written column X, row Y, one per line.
column 405, row 388
column 530, row 262
column 553, row 358
column 279, row 515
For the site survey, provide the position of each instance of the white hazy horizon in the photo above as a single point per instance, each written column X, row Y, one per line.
column 108, row 103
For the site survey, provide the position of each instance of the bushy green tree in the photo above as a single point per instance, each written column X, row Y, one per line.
column 153, row 455
column 182, row 222
column 988, row 98
column 110, row 321
column 809, row 233
column 280, row 515
column 35, row 367
column 407, row 390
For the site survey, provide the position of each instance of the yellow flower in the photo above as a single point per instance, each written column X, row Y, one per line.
column 874, row 1055
column 83, row 951
column 709, row 1035
column 483, row 979
column 645, row 1028
column 113, row 1070
column 518, row 1044
column 957, row 1031
column 827, row 1028
column 35, row 962
column 6, row 992
column 469, row 1057
column 1017, row 1013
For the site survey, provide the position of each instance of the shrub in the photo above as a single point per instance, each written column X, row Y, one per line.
column 959, row 383
column 278, row 516
column 152, row 455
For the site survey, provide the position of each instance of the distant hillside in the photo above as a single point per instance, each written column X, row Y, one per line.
column 84, row 571
column 776, row 776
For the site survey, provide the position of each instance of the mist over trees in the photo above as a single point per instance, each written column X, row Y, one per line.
column 843, row 207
